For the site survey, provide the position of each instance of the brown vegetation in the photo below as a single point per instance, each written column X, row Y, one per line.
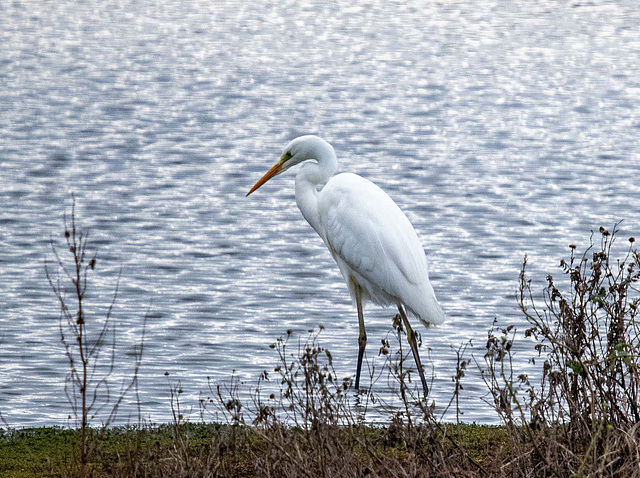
column 577, row 416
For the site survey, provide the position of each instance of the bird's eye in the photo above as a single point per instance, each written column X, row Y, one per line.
column 286, row 157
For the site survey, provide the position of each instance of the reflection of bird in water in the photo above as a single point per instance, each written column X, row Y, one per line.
column 373, row 242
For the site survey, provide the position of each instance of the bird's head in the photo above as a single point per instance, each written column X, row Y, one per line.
column 300, row 149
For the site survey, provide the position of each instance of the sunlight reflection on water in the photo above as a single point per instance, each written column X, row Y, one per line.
column 502, row 129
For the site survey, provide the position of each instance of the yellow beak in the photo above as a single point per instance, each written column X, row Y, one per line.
column 275, row 169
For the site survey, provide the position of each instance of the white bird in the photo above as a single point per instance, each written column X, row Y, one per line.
column 376, row 247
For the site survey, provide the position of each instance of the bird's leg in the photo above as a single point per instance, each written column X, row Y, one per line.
column 362, row 338
column 411, row 337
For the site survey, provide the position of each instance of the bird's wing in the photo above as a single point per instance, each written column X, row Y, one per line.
column 369, row 232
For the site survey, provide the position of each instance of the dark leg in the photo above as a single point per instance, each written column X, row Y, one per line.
column 362, row 339
column 411, row 337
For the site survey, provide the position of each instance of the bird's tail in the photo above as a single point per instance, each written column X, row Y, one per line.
column 428, row 310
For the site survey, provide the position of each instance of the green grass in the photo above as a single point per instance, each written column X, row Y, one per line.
column 36, row 451
column 481, row 442
column 118, row 451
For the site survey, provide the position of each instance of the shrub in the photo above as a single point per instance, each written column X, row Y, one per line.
column 582, row 418
column 89, row 342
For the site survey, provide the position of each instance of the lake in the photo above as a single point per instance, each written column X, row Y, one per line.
column 501, row 128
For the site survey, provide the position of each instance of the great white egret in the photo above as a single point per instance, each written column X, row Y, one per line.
column 376, row 247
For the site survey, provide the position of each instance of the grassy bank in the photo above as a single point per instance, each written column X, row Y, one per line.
column 227, row 450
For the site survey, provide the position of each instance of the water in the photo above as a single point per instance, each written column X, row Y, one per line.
column 501, row 128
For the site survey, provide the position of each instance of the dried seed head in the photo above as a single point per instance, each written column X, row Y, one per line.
column 572, row 246
column 632, row 240
column 601, row 229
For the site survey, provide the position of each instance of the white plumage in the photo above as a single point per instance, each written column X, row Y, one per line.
column 373, row 241
column 370, row 238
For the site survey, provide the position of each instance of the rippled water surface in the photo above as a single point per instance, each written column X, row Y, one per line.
column 502, row 128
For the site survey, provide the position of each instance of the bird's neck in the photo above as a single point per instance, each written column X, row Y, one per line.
column 311, row 177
